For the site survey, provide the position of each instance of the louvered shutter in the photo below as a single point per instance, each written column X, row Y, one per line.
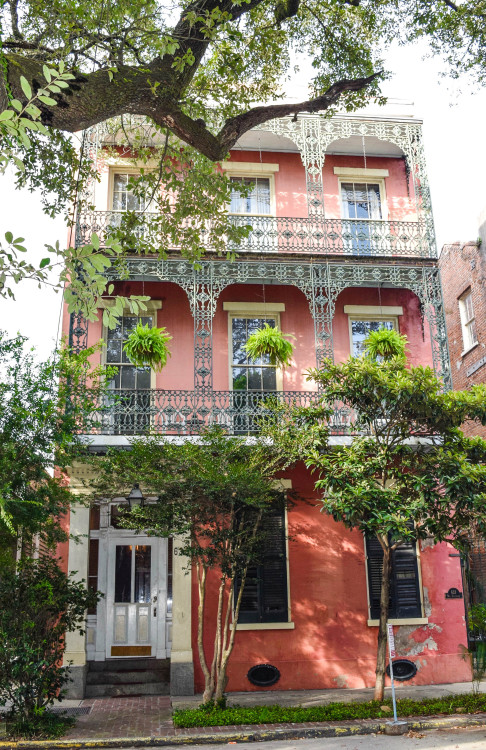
column 404, row 580
column 265, row 594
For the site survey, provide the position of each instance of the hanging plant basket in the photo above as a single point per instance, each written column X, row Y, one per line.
column 270, row 342
column 385, row 343
column 147, row 347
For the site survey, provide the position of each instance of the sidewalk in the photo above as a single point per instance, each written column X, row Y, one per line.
column 150, row 716
column 146, row 720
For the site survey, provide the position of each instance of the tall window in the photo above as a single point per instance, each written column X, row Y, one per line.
column 405, row 599
column 124, row 199
column 468, row 321
column 257, row 202
column 360, row 200
column 131, row 384
column 265, row 597
column 360, row 328
column 245, row 374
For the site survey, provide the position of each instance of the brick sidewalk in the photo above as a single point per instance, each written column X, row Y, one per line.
column 144, row 716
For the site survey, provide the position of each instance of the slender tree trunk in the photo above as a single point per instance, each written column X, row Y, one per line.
column 227, row 649
column 384, row 606
column 201, row 581
column 218, row 637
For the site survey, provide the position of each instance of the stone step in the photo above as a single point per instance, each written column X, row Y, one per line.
column 139, row 676
column 115, row 691
column 128, row 664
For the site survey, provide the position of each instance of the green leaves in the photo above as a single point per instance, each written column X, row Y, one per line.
column 269, row 343
column 147, row 347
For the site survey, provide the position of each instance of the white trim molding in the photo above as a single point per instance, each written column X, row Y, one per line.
column 249, row 167
column 246, row 308
column 266, row 626
column 401, row 621
column 374, row 310
column 360, row 172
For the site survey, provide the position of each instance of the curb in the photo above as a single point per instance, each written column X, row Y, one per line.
column 344, row 729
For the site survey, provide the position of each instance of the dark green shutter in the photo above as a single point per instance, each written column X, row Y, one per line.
column 265, row 594
column 404, row 580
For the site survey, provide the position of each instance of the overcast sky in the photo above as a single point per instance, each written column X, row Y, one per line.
column 455, row 146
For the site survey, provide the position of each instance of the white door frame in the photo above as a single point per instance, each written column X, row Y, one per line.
column 104, row 638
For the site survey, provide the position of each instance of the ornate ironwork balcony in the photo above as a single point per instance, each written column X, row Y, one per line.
column 167, row 412
column 288, row 235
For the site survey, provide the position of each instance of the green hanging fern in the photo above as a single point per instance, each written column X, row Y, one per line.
column 385, row 343
column 270, row 342
column 147, row 347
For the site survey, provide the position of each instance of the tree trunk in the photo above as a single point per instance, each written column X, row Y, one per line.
column 201, row 580
column 384, row 606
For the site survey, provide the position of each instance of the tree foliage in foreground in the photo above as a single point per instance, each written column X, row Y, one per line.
column 409, row 473
column 39, row 604
column 201, row 75
column 214, row 494
column 43, row 405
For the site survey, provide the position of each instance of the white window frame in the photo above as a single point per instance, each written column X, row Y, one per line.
column 368, row 177
column 468, row 325
column 269, row 311
column 250, row 170
column 372, row 318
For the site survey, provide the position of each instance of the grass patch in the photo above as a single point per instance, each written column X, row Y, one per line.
column 211, row 716
column 47, row 726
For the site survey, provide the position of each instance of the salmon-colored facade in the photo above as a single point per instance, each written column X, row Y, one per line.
column 342, row 243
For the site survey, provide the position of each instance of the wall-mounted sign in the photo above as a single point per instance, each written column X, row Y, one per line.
column 453, row 593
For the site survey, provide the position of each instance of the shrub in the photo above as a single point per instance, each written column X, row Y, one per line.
column 39, row 603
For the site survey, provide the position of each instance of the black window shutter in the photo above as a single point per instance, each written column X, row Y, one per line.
column 404, row 580
column 264, row 597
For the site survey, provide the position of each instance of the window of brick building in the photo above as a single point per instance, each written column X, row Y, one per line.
column 468, row 321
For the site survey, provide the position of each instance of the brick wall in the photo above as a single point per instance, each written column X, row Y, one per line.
column 463, row 268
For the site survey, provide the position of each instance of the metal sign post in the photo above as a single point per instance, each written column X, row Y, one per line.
column 392, row 653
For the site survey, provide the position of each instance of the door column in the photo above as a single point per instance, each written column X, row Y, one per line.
column 181, row 658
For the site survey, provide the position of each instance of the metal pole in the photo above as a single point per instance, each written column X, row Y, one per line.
column 391, row 654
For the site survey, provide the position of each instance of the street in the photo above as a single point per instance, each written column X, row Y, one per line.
column 459, row 739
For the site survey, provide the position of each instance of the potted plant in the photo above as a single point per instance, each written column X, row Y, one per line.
column 385, row 343
column 147, row 347
column 270, row 342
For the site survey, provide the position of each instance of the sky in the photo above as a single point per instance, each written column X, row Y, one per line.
column 454, row 116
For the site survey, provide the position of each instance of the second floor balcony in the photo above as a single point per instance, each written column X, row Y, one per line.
column 271, row 235
column 183, row 413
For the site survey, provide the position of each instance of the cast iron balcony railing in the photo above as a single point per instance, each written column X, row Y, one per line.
column 288, row 235
column 169, row 412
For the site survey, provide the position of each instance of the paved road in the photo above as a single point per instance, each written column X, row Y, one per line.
column 464, row 739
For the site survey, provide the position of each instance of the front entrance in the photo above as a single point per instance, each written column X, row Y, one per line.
column 136, row 597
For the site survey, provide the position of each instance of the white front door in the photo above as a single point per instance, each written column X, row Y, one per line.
column 136, row 593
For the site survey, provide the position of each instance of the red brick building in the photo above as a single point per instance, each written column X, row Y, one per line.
column 463, row 272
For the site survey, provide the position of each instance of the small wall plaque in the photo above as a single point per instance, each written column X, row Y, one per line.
column 453, row 593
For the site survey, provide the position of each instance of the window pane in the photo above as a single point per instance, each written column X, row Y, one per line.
column 269, row 378
column 142, row 572
column 123, row 573
column 240, row 379
column 128, row 376
column 258, row 199
column 360, row 330
column 254, row 379
column 143, row 377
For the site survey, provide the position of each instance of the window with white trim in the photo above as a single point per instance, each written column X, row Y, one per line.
column 360, row 328
column 130, row 385
column 468, row 321
column 265, row 596
column 361, row 200
column 247, row 375
column 124, row 198
column 405, row 589
column 257, row 202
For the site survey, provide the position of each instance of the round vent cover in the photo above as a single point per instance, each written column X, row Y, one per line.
column 263, row 675
column 403, row 669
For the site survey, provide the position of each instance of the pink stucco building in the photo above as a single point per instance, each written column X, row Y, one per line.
column 342, row 242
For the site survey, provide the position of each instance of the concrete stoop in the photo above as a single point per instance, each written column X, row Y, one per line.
column 127, row 677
